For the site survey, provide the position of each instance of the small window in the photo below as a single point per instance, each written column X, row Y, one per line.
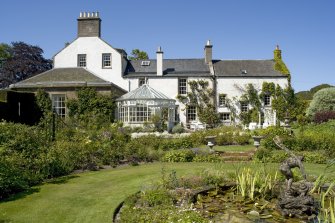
column 225, row 117
column 222, row 100
column 106, row 60
column 191, row 113
column 145, row 63
column 267, row 100
column 182, row 86
column 244, row 106
column 141, row 81
column 58, row 104
column 81, row 60
column 244, row 72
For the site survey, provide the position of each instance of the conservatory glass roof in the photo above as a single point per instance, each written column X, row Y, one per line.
column 145, row 92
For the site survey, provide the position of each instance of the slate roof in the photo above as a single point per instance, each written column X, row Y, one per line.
column 63, row 77
column 198, row 68
column 253, row 68
column 171, row 67
column 145, row 92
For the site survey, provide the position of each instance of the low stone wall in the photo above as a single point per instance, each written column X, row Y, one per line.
column 162, row 134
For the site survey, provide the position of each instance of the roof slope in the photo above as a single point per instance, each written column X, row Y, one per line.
column 253, row 68
column 171, row 67
column 59, row 77
column 145, row 92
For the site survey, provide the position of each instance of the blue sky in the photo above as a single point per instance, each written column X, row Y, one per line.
column 239, row 29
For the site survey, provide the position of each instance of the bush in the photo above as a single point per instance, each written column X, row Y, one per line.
column 11, row 178
column 178, row 129
column 182, row 155
column 323, row 100
column 278, row 156
column 324, row 116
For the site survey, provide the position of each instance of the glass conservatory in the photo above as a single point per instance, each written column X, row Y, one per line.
column 138, row 106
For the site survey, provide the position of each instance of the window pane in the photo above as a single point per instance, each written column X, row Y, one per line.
column 191, row 113
column 267, row 100
column 222, row 100
column 106, row 60
column 244, row 106
column 182, row 85
column 58, row 104
column 81, row 60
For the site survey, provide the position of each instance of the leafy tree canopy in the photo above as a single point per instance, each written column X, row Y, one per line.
column 20, row 61
column 308, row 95
column 323, row 100
column 137, row 54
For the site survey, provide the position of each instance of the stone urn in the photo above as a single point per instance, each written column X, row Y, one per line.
column 257, row 140
column 210, row 141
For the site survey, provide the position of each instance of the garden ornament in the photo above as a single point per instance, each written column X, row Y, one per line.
column 294, row 200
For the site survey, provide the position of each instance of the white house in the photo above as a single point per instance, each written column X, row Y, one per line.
column 169, row 77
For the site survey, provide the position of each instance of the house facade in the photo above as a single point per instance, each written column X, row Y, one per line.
column 90, row 54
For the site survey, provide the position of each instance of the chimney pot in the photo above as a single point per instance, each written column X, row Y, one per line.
column 208, row 43
column 80, row 14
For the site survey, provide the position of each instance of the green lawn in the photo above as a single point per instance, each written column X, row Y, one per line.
column 232, row 148
column 93, row 196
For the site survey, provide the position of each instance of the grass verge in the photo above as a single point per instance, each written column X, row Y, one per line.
column 93, row 196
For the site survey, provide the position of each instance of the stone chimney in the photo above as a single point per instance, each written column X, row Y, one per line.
column 277, row 53
column 208, row 52
column 159, row 61
column 89, row 24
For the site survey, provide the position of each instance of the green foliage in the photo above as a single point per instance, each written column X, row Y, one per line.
column 323, row 100
column 11, row 178
column 178, row 129
column 202, row 98
column 182, row 155
column 91, row 105
column 137, row 54
column 45, row 104
column 278, row 156
column 280, row 65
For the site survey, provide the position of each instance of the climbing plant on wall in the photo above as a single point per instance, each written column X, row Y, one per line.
column 202, row 97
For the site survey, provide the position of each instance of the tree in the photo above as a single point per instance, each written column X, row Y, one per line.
column 21, row 61
column 323, row 100
column 138, row 55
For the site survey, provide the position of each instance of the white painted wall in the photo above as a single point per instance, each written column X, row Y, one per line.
column 169, row 87
column 230, row 86
column 93, row 47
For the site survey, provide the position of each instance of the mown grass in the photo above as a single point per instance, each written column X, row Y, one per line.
column 231, row 148
column 93, row 196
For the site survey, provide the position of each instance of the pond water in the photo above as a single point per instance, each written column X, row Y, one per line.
column 223, row 205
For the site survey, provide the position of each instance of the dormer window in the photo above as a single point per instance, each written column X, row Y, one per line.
column 244, row 72
column 81, row 60
column 145, row 63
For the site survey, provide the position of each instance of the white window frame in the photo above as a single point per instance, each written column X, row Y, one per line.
column 182, row 86
column 191, row 113
column 267, row 100
column 141, row 81
column 81, row 60
column 244, row 106
column 222, row 100
column 59, row 104
column 225, row 117
column 106, row 60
